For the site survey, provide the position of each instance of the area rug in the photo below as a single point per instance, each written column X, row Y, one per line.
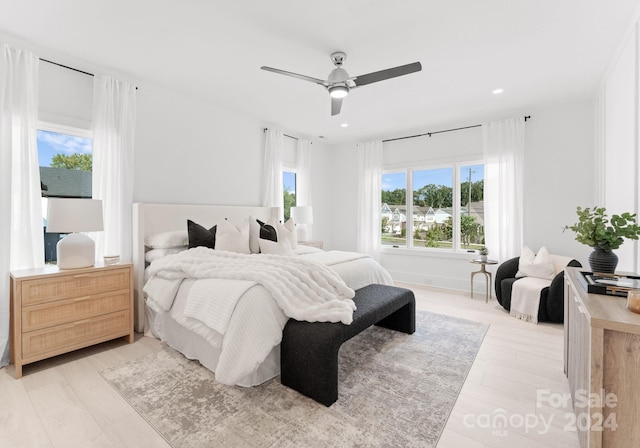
column 394, row 390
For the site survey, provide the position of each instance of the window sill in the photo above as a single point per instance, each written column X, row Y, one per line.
column 428, row 253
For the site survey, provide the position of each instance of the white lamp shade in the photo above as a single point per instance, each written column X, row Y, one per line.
column 74, row 215
column 302, row 215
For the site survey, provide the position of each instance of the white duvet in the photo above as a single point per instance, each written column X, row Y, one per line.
column 246, row 329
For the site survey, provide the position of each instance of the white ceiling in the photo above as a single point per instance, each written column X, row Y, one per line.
column 538, row 51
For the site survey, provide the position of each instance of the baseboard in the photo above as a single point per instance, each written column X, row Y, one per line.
column 451, row 283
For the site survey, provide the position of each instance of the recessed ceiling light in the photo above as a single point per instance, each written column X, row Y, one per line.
column 497, row 91
column 344, row 125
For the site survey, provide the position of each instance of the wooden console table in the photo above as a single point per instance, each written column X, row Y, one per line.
column 602, row 360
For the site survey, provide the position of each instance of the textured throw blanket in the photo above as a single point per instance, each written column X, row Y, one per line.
column 213, row 300
column 525, row 298
column 304, row 290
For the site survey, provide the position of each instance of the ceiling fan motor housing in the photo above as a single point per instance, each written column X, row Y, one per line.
column 338, row 75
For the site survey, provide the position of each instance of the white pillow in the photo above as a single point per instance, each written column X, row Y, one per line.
column 176, row 238
column 291, row 225
column 282, row 247
column 232, row 238
column 254, row 235
column 287, row 231
column 539, row 266
column 154, row 254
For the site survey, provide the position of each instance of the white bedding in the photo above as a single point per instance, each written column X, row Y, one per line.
column 247, row 352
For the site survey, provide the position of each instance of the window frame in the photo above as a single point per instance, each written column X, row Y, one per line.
column 455, row 165
column 64, row 129
column 406, row 197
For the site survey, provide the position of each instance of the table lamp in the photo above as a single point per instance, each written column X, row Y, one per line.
column 303, row 216
column 75, row 250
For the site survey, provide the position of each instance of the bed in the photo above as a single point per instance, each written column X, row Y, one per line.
column 246, row 351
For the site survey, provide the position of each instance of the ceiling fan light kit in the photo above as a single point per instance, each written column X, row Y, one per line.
column 338, row 91
column 339, row 83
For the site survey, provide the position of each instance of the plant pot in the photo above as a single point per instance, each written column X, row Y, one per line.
column 602, row 260
column 483, row 258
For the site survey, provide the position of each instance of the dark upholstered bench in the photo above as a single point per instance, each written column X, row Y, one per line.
column 309, row 350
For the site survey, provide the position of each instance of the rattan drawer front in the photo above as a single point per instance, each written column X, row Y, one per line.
column 61, row 312
column 75, row 335
column 74, row 285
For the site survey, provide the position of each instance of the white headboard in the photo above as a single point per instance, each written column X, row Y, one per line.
column 149, row 219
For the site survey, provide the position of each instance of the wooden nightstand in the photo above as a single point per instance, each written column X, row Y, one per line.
column 55, row 311
column 317, row 244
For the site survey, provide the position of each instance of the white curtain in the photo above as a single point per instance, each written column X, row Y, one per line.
column 21, row 226
column 272, row 171
column 303, row 173
column 114, row 118
column 503, row 143
column 369, row 190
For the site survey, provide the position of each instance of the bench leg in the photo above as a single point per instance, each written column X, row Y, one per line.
column 403, row 320
column 311, row 370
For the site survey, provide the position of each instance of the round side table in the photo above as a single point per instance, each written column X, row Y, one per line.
column 487, row 274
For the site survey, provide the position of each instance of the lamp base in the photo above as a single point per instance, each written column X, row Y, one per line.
column 303, row 232
column 76, row 250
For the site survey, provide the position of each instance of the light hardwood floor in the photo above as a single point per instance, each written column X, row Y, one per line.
column 64, row 402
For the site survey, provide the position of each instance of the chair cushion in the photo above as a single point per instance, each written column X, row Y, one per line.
column 538, row 266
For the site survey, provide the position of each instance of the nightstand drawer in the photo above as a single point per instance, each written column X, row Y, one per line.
column 61, row 312
column 75, row 335
column 73, row 285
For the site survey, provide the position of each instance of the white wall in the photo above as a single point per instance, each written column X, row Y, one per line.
column 618, row 150
column 340, row 183
column 189, row 152
column 322, row 201
column 558, row 177
column 559, row 167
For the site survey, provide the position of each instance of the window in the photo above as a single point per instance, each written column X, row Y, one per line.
column 437, row 220
column 471, row 207
column 394, row 209
column 433, row 208
column 288, row 192
column 65, row 157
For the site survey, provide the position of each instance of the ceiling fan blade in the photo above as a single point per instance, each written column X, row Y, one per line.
column 336, row 105
column 295, row 75
column 387, row 74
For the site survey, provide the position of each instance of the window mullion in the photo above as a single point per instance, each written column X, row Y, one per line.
column 409, row 188
column 456, row 208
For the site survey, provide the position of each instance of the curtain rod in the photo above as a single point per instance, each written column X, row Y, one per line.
column 440, row 132
column 286, row 135
column 70, row 68
column 67, row 67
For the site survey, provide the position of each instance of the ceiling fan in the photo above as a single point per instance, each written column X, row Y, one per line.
column 339, row 83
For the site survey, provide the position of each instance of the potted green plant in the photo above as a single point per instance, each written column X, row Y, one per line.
column 483, row 251
column 595, row 229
